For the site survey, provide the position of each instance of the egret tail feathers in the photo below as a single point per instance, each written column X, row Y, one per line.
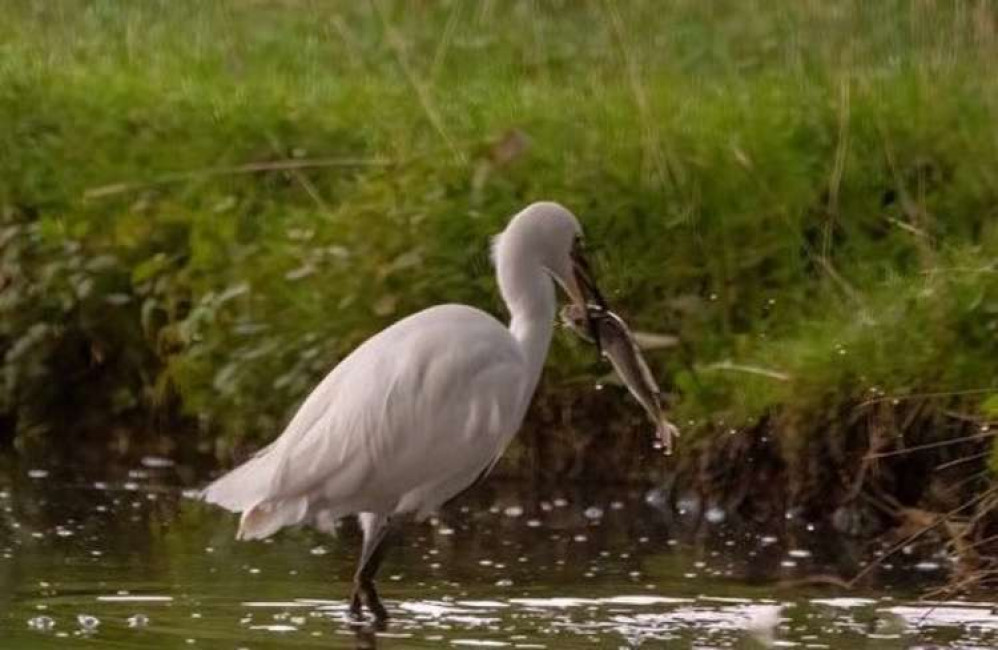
column 245, row 486
column 264, row 519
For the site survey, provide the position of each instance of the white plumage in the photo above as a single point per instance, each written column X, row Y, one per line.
column 416, row 413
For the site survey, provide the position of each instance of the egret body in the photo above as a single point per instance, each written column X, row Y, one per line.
column 419, row 411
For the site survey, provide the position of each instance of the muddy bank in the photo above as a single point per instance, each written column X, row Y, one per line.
column 909, row 476
column 905, row 475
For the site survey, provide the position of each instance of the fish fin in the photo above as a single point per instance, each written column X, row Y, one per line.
column 666, row 432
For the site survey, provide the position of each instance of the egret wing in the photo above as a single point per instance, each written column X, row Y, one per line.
column 431, row 397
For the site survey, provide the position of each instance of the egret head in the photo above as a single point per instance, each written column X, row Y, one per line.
column 548, row 235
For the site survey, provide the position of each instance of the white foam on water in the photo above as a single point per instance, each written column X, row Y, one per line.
column 845, row 603
column 644, row 600
column 430, row 608
column 135, row 599
column 954, row 614
column 479, row 643
column 275, row 628
column 725, row 599
column 321, row 602
column 557, row 603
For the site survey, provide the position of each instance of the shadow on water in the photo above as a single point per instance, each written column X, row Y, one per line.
column 106, row 556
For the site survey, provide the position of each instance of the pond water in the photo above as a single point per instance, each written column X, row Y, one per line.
column 122, row 558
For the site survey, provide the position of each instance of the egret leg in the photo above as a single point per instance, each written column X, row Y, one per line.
column 375, row 529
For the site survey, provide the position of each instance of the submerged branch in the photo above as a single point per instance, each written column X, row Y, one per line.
column 943, row 518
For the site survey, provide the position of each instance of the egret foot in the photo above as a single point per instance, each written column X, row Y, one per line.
column 366, row 595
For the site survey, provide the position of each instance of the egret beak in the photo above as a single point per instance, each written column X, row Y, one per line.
column 586, row 292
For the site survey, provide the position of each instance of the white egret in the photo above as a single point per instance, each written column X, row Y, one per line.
column 419, row 411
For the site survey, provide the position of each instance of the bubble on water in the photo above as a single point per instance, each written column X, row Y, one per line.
column 768, row 540
column 319, row 550
column 41, row 623
column 799, row 553
column 546, row 506
column 38, row 473
column 788, row 564
column 580, row 538
column 715, row 515
column 560, row 502
column 533, row 523
column 513, row 511
column 87, row 622
column 156, row 462
column 485, row 562
column 927, row 566
column 688, row 504
column 505, row 582
column 657, row 498
column 616, row 505
column 444, row 530
column 138, row 620
column 593, row 513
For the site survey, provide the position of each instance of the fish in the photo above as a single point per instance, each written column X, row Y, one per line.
column 617, row 345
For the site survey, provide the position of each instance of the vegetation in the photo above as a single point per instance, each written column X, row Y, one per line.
column 205, row 205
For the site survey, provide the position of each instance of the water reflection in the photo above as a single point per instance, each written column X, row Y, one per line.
column 118, row 556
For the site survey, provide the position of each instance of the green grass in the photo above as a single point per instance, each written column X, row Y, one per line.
column 773, row 182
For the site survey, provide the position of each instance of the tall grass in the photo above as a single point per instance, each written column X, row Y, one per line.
column 208, row 204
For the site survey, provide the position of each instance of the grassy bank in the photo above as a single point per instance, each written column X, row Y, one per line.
column 204, row 206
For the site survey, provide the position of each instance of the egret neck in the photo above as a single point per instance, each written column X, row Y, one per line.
column 529, row 294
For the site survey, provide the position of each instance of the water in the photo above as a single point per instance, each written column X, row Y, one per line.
column 119, row 558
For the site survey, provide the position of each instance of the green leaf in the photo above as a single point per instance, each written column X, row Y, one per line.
column 989, row 407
